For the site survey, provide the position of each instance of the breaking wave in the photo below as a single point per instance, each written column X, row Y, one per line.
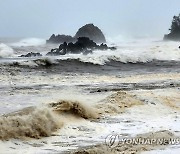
column 42, row 121
column 29, row 42
column 5, row 51
column 136, row 51
column 73, row 65
column 130, row 54
column 37, row 122
column 133, row 52
column 75, row 107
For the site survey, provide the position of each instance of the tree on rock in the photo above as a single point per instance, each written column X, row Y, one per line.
column 174, row 30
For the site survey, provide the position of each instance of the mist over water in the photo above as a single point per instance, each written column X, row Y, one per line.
column 29, row 42
column 5, row 51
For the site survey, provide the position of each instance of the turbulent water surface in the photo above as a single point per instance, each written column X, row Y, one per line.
column 71, row 103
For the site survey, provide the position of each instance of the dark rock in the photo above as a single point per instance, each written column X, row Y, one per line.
column 44, row 62
column 103, row 46
column 56, row 39
column 174, row 34
column 31, row 54
column 112, row 48
column 83, row 45
column 56, row 52
column 92, row 32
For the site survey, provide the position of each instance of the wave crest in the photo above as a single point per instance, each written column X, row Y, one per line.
column 81, row 109
column 37, row 122
column 34, row 123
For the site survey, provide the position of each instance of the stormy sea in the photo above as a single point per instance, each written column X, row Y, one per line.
column 95, row 103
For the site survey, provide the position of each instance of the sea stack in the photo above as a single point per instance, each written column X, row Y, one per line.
column 92, row 32
column 88, row 30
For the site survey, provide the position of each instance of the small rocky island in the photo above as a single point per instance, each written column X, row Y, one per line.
column 88, row 30
column 82, row 45
column 174, row 34
column 92, row 32
column 86, row 40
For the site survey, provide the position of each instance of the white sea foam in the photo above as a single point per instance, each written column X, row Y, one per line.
column 5, row 51
column 132, row 52
column 127, row 51
column 29, row 42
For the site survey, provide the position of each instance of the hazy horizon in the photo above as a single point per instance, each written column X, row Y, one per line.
column 130, row 18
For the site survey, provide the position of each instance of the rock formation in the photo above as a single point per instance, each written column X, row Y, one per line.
column 89, row 30
column 82, row 45
column 60, row 39
column 174, row 34
column 92, row 32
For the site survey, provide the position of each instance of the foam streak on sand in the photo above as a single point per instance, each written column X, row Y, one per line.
column 117, row 103
column 130, row 148
column 132, row 117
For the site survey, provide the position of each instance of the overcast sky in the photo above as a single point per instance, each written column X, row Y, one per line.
column 41, row 18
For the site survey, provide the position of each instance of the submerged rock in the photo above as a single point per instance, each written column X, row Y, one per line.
column 82, row 45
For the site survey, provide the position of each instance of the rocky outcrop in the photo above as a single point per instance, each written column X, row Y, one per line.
column 174, row 34
column 82, row 45
column 60, row 39
column 31, row 54
column 89, row 30
column 92, row 32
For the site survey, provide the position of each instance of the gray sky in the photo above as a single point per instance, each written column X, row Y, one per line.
column 41, row 18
